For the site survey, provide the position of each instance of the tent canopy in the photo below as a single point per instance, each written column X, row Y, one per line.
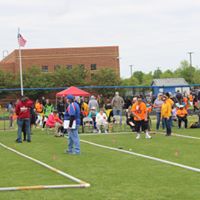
column 74, row 91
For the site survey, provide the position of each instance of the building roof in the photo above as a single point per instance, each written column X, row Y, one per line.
column 169, row 82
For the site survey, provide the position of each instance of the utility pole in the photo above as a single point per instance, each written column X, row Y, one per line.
column 190, row 54
column 131, row 69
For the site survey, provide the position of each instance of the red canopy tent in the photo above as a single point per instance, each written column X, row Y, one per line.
column 74, row 91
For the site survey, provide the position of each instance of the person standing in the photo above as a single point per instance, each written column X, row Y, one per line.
column 93, row 103
column 117, row 105
column 166, row 113
column 72, row 115
column 48, row 109
column 140, row 114
column 23, row 112
column 157, row 106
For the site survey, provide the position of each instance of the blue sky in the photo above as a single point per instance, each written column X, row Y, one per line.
column 149, row 33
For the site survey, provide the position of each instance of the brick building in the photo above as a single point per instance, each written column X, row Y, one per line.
column 48, row 60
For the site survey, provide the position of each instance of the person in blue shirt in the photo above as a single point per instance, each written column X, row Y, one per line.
column 72, row 115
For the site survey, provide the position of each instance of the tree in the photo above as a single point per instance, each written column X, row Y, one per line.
column 157, row 73
column 186, row 71
column 139, row 76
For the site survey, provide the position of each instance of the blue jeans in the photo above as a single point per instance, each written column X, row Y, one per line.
column 20, row 123
column 119, row 113
column 168, row 126
column 158, row 117
column 73, row 141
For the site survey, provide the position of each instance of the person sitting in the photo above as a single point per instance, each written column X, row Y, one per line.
column 54, row 121
column 92, row 114
column 129, row 118
column 101, row 120
column 181, row 114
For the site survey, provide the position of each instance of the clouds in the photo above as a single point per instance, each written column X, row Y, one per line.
column 150, row 33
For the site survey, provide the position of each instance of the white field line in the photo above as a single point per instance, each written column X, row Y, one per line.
column 81, row 184
column 143, row 156
column 184, row 136
column 98, row 134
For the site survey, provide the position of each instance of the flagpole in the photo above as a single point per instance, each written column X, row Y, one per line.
column 20, row 68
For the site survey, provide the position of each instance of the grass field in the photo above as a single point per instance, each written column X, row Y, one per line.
column 113, row 175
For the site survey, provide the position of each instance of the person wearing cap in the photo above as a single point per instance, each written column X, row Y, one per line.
column 117, row 105
column 139, row 111
column 72, row 115
column 166, row 113
column 181, row 114
column 157, row 106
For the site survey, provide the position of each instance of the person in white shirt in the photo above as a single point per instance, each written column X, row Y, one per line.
column 101, row 120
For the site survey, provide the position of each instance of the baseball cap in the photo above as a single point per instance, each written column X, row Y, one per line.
column 70, row 96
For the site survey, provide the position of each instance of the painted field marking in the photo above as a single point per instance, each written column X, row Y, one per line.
column 81, row 184
column 143, row 156
column 179, row 135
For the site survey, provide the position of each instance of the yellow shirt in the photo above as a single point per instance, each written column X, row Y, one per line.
column 170, row 101
column 166, row 110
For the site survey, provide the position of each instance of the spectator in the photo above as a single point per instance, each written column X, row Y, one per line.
column 108, row 109
column 92, row 114
column 129, row 119
column 157, row 105
column 101, row 120
column 48, row 109
column 117, row 105
column 54, row 121
column 39, row 112
column 181, row 114
column 93, row 103
column 61, row 108
column 166, row 113
column 10, row 109
column 23, row 112
column 72, row 115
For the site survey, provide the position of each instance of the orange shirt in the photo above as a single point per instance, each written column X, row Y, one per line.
column 139, row 110
column 181, row 112
column 190, row 98
column 185, row 100
column 38, row 107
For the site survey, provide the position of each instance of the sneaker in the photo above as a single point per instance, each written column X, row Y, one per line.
column 138, row 136
column 99, row 131
column 148, row 136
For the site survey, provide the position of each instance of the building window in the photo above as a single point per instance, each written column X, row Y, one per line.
column 45, row 68
column 56, row 67
column 69, row 66
column 93, row 66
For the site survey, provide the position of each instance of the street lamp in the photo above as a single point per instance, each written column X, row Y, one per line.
column 190, row 54
column 131, row 69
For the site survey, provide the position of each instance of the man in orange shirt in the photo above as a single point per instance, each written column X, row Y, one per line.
column 181, row 114
column 139, row 111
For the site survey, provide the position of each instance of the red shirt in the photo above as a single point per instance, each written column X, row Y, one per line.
column 23, row 109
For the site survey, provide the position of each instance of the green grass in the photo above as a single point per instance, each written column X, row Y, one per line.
column 112, row 175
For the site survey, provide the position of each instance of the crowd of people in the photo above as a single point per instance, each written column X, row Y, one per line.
column 71, row 112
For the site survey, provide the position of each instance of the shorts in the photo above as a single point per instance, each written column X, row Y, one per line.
column 141, row 125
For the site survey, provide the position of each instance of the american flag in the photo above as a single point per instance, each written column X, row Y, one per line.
column 21, row 40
